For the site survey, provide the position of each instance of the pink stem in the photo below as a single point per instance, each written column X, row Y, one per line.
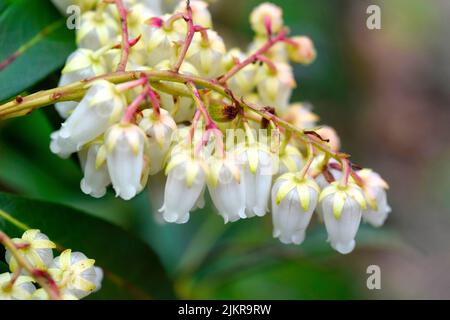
column 268, row 62
column 346, row 170
column 154, row 99
column 189, row 36
column 254, row 57
column 125, row 41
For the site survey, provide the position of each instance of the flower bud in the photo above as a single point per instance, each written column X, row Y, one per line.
column 328, row 133
column 102, row 105
column 96, row 179
column 75, row 274
column 159, row 130
column 275, row 88
column 125, row 147
column 374, row 188
column 290, row 160
column 81, row 64
column 266, row 12
column 200, row 13
column 226, row 188
column 293, row 203
column 243, row 82
column 301, row 116
column 35, row 247
column 257, row 167
column 342, row 207
column 221, row 109
column 302, row 50
column 185, row 184
column 22, row 289
column 278, row 53
column 206, row 54
column 97, row 30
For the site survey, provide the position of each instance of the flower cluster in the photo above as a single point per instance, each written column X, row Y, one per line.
column 167, row 105
column 70, row 276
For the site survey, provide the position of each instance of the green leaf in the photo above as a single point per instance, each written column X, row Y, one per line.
column 3, row 267
column 36, row 42
column 132, row 270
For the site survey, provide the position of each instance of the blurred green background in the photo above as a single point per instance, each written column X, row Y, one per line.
column 385, row 91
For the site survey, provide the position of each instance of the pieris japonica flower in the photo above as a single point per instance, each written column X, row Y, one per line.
column 293, row 202
column 22, row 289
column 206, row 54
column 200, row 13
column 186, row 179
column 244, row 81
column 266, row 13
column 342, row 208
column 81, row 64
column 278, row 53
column 301, row 50
column 102, row 105
column 290, row 160
column 301, row 116
column 328, row 133
column 75, row 273
column 159, row 129
column 125, row 150
column 257, row 167
column 374, row 188
column 97, row 30
column 41, row 294
column 180, row 108
column 226, row 187
column 160, row 39
column 275, row 86
column 96, row 178
column 35, row 247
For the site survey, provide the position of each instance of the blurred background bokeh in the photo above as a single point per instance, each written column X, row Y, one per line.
column 387, row 94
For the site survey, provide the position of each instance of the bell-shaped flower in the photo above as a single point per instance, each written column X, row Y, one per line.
column 181, row 108
column 125, row 151
column 257, row 167
column 293, row 202
column 75, row 274
column 200, row 12
column 275, row 86
column 159, row 129
column 301, row 116
column 226, row 188
column 289, row 160
column 374, row 188
column 161, row 40
column 186, row 180
column 243, row 82
column 97, row 30
column 96, row 179
column 342, row 208
column 21, row 289
column 35, row 247
column 102, row 106
column 301, row 50
column 81, row 64
column 266, row 13
column 330, row 134
column 206, row 54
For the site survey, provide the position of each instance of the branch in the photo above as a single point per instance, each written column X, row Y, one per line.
column 125, row 41
column 189, row 36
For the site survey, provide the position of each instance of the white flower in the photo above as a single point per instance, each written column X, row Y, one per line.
column 160, row 41
column 200, row 13
column 97, row 30
column 102, row 105
column 41, row 294
column 290, row 160
column 226, row 188
column 293, row 203
column 243, row 82
column 275, row 87
column 22, row 288
column 125, row 149
column 263, row 12
column 278, row 53
column 185, row 183
column 81, row 64
column 96, row 179
column 342, row 207
column 375, row 191
column 302, row 51
column 301, row 116
column 159, row 130
column 84, row 5
column 206, row 55
column 257, row 168
column 35, row 247
column 75, row 274
column 181, row 108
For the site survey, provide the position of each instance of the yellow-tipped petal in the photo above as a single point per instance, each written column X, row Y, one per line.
column 304, row 195
column 338, row 203
column 43, row 244
column 83, row 265
column 101, row 157
column 65, row 259
column 285, row 188
column 253, row 159
column 192, row 170
column 29, row 235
